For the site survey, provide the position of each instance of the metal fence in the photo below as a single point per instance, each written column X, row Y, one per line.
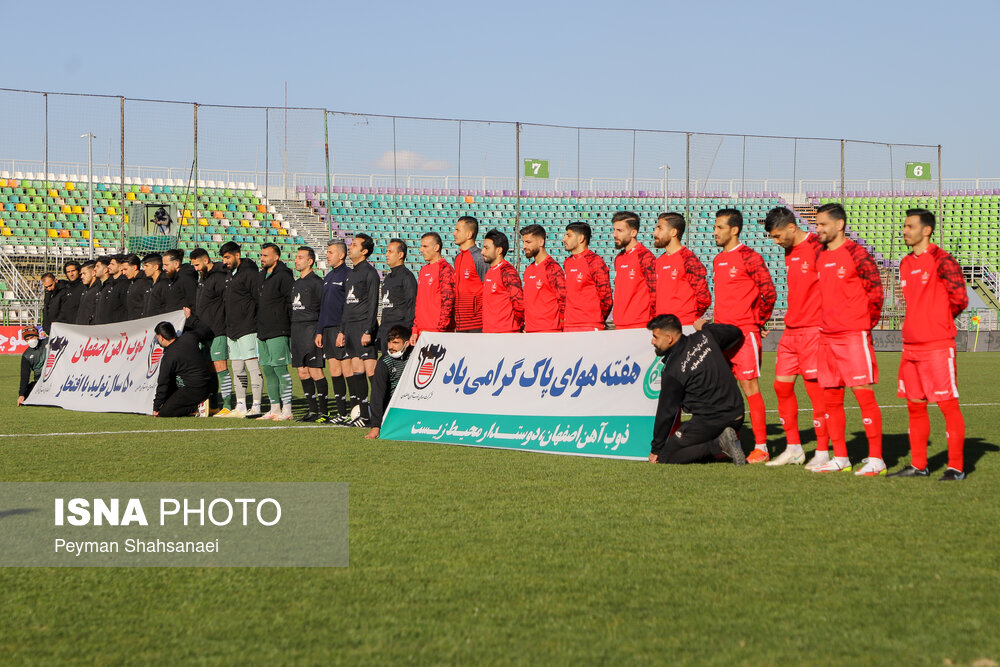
column 280, row 150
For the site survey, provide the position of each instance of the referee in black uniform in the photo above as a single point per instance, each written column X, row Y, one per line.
column 307, row 359
column 399, row 292
column 697, row 378
column 360, row 322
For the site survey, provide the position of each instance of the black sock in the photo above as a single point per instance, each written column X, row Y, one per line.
column 359, row 388
column 309, row 389
column 340, row 393
column 366, row 410
column 321, row 396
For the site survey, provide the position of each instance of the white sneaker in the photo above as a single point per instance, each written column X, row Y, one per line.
column 254, row 411
column 270, row 416
column 239, row 413
column 286, row 414
column 818, row 459
column 788, row 458
column 833, row 466
column 872, row 468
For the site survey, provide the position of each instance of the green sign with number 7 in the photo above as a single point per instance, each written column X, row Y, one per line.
column 920, row 171
column 536, row 168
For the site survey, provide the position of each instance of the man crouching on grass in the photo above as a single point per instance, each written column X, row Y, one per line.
column 185, row 380
column 388, row 370
column 696, row 376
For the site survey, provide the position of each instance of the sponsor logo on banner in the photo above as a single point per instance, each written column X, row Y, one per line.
column 651, row 382
column 57, row 346
column 155, row 355
column 430, row 357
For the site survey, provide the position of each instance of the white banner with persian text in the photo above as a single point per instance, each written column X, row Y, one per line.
column 587, row 394
column 104, row 367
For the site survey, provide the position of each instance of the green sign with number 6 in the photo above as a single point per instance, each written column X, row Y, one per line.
column 920, row 171
column 536, row 168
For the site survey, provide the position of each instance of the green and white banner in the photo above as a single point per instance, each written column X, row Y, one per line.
column 585, row 394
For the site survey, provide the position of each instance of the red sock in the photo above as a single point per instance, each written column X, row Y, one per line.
column 836, row 420
column 819, row 414
column 758, row 418
column 920, row 431
column 954, row 424
column 788, row 411
column 871, row 416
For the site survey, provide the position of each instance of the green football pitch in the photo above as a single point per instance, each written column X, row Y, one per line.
column 480, row 556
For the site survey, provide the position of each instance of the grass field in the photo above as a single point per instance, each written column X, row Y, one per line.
column 478, row 556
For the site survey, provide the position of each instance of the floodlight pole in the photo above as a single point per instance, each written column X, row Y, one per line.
column 90, row 136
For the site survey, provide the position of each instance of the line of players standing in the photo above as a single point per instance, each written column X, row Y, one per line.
column 262, row 319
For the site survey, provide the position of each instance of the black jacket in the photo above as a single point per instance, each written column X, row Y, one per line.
column 399, row 297
column 156, row 297
column 135, row 298
column 182, row 289
column 104, row 307
column 361, row 301
column 274, row 302
column 183, row 365
column 71, row 301
column 307, row 297
column 52, row 305
column 697, row 378
column 210, row 304
column 88, row 304
column 241, row 299
column 111, row 301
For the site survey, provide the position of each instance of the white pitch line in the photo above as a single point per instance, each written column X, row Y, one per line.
column 165, row 430
column 320, row 426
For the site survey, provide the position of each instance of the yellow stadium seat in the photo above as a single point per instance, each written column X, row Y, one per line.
column 85, row 233
column 126, row 218
column 244, row 223
column 203, row 222
column 6, row 231
column 3, row 182
column 187, row 213
column 130, row 196
column 20, row 207
column 282, row 232
column 53, row 234
column 53, row 193
column 70, row 186
column 111, row 210
column 66, row 208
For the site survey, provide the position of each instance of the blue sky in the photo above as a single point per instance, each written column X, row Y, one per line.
column 882, row 71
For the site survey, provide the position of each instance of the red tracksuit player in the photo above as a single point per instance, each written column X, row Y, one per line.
column 934, row 289
column 435, row 290
column 470, row 269
column 744, row 297
column 798, row 351
column 544, row 284
column 682, row 286
column 503, row 298
column 852, row 296
column 588, row 283
column 635, row 275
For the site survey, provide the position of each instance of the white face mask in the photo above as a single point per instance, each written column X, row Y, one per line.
column 397, row 355
column 32, row 342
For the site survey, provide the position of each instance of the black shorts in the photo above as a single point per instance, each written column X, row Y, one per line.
column 303, row 346
column 355, row 350
column 330, row 349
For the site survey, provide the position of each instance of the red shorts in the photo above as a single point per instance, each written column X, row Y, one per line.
column 745, row 359
column 927, row 375
column 847, row 360
column 798, row 353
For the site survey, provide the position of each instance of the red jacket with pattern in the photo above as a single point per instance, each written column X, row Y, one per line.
column 503, row 299
column 635, row 288
column 934, row 289
column 435, row 298
column 544, row 296
column 588, row 292
column 851, row 289
column 682, row 286
column 744, row 292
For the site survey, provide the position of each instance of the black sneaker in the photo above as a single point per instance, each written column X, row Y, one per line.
column 339, row 420
column 731, row 446
column 952, row 475
column 909, row 471
column 359, row 422
column 309, row 417
column 321, row 419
